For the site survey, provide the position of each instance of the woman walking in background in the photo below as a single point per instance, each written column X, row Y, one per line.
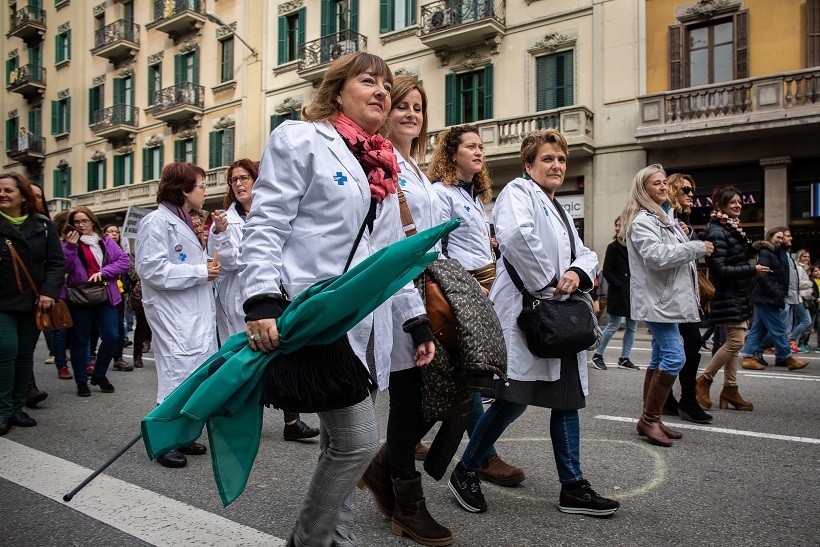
column 616, row 273
column 663, row 290
column 733, row 276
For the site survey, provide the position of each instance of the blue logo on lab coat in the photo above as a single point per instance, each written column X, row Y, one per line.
column 402, row 181
column 340, row 178
column 182, row 257
column 467, row 207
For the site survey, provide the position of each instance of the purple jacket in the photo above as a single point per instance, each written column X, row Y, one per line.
column 115, row 263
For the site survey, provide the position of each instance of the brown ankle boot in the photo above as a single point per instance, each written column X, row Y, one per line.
column 649, row 425
column 33, row 394
column 702, row 385
column 730, row 396
column 499, row 472
column 421, row 451
column 410, row 515
column 377, row 479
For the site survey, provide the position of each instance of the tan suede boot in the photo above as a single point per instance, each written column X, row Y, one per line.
column 730, row 396
column 702, row 385
column 751, row 363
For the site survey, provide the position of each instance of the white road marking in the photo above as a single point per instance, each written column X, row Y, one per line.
column 727, row 431
column 151, row 517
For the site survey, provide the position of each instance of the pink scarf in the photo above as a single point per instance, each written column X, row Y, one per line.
column 375, row 154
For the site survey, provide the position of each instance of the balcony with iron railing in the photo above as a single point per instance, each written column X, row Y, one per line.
column 176, row 17
column 29, row 24
column 180, row 102
column 28, row 80
column 502, row 136
column 27, row 149
column 115, row 122
column 58, row 205
column 452, row 24
column 709, row 113
column 140, row 194
column 119, row 40
column 314, row 56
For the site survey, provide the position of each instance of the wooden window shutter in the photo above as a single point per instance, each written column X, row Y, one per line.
column 488, row 92
column 354, row 15
column 676, row 73
column 812, row 33
column 228, row 146
column 450, row 100
column 119, row 170
column 301, row 30
column 147, row 163
column 214, row 148
column 385, row 16
column 741, row 28
column 283, row 32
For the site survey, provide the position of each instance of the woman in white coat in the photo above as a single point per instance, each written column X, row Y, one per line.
column 392, row 475
column 176, row 279
column 663, row 289
column 539, row 241
column 225, row 239
column 463, row 188
column 318, row 180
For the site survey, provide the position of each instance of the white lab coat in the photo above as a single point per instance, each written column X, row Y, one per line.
column 177, row 296
column 425, row 207
column 230, row 318
column 470, row 242
column 309, row 202
column 534, row 239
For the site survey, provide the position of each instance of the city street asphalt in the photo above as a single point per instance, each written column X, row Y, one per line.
column 749, row 478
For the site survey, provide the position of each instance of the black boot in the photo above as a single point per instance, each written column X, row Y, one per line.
column 692, row 412
column 670, row 406
column 410, row 515
column 34, row 395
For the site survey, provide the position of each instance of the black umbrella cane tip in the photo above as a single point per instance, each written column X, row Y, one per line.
column 67, row 497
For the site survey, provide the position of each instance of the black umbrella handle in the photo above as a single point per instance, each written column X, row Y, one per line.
column 102, row 468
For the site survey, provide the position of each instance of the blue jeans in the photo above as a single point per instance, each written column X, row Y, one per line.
column 611, row 328
column 801, row 320
column 768, row 327
column 476, row 412
column 59, row 343
column 105, row 317
column 667, row 349
column 565, row 432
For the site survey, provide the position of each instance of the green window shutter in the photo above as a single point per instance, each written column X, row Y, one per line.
column 195, row 55
column 227, row 146
column 118, row 170
column 55, row 117
column 450, row 100
column 411, row 17
column 193, row 150
column 227, row 60
column 58, row 52
column 179, row 69
column 283, row 31
column 67, row 115
column 130, row 171
column 569, row 80
column 214, row 152
column 147, row 163
column 10, row 68
column 119, row 91
column 179, row 150
column 93, row 93
column 92, row 176
column 354, row 15
column 328, row 22
column 160, row 159
column 11, row 132
column 55, row 183
column 68, row 44
column 385, row 15
column 488, row 92
column 301, row 27
column 541, row 82
column 35, row 123
column 104, row 176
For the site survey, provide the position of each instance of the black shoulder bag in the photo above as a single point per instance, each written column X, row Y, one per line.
column 556, row 328
column 324, row 377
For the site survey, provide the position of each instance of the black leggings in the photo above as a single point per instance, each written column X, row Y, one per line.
column 405, row 423
column 690, row 332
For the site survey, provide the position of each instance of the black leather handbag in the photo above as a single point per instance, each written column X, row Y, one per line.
column 88, row 294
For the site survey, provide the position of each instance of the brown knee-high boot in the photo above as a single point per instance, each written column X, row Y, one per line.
column 410, row 515
column 650, row 425
column 647, row 381
column 377, row 479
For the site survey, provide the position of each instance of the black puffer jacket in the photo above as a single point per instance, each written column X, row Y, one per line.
column 37, row 243
column 616, row 273
column 731, row 273
column 770, row 289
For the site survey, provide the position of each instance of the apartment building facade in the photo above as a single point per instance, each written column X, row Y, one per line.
column 110, row 91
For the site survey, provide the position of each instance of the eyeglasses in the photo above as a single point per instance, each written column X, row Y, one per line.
column 201, row 186
column 687, row 190
column 241, row 178
column 78, row 221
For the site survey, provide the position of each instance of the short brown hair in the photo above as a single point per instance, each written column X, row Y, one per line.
column 248, row 165
column 534, row 140
column 30, row 200
column 95, row 223
column 771, row 231
column 324, row 105
column 176, row 179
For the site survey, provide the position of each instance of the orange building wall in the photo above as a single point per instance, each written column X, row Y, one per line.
column 777, row 38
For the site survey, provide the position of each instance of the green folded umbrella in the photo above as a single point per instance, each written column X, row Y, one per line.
column 224, row 393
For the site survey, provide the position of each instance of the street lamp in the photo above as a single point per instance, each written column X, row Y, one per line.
column 214, row 18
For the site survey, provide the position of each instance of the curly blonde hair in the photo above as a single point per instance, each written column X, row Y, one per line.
column 443, row 165
column 675, row 182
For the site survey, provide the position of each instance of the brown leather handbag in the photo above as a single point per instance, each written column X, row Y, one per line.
column 705, row 288
column 56, row 317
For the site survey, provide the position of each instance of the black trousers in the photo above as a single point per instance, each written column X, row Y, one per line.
column 405, row 423
column 690, row 332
